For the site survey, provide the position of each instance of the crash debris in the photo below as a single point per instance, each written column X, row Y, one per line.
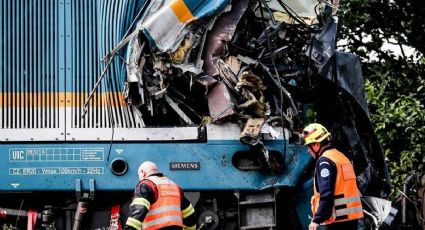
column 255, row 63
column 231, row 61
column 225, row 61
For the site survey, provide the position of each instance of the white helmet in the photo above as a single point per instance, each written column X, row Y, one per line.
column 146, row 169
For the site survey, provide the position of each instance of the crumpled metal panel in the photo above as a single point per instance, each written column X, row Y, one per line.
column 323, row 46
column 221, row 33
column 220, row 102
column 350, row 77
column 344, row 109
column 167, row 27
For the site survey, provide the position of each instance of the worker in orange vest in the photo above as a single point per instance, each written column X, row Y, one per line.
column 336, row 201
column 159, row 203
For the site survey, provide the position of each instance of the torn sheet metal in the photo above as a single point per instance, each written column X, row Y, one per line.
column 188, row 68
column 350, row 77
column 221, row 33
column 323, row 47
column 167, row 27
column 134, row 87
column 207, row 81
column 268, row 129
column 220, row 103
column 134, row 94
column 234, row 64
column 178, row 110
column 228, row 76
column 135, row 61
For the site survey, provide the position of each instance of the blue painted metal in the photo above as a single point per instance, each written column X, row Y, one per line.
column 29, row 43
column 62, row 41
column 205, row 8
column 96, row 28
column 55, row 47
column 60, row 164
column 303, row 197
column 116, row 18
column 62, row 46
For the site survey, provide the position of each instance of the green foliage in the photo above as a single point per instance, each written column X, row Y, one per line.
column 395, row 83
column 400, row 126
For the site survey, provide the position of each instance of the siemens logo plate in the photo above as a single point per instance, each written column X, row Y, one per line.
column 185, row 165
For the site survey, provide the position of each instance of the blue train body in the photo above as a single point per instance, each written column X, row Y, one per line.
column 55, row 166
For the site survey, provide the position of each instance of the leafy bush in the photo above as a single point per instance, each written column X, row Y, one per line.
column 395, row 81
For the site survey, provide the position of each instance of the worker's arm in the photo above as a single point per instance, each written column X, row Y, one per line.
column 325, row 179
column 188, row 213
column 139, row 207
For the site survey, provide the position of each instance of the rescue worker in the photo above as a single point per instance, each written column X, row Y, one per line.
column 336, row 201
column 158, row 203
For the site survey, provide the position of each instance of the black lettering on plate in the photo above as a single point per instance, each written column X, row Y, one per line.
column 185, row 165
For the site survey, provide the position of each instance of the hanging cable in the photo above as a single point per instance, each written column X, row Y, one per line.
column 293, row 14
column 111, row 118
column 102, row 75
column 142, row 9
column 19, row 212
column 280, row 84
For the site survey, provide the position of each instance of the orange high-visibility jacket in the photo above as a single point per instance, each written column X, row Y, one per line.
column 166, row 210
column 347, row 204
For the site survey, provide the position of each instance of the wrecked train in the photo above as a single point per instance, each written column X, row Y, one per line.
column 213, row 91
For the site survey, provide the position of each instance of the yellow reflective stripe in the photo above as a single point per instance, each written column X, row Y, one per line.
column 134, row 223
column 189, row 228
column 141, row 201
column 188, row 211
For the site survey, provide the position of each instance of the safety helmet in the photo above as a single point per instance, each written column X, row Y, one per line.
column 315, row 133
column 146, row 169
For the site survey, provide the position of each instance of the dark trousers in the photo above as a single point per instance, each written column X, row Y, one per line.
column 346, row 225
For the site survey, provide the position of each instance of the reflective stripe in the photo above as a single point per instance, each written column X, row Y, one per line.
column 141, row 201
column 189, row 228
column 165, row 208
column 341, row 201
column 161, row 220
column 134, row 223
column 188, row 211
column 346, row 211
